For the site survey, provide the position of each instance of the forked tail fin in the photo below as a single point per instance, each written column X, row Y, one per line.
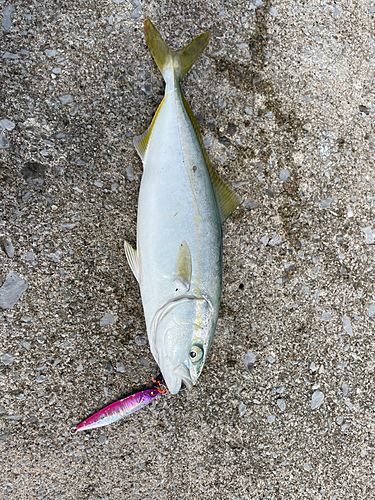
column 180, row 60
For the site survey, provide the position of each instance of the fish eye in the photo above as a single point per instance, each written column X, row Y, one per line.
column 195, row 354
column 153, row 393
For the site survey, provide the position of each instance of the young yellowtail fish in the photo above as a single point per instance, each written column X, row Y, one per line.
column 120, row 409
column 182, row 205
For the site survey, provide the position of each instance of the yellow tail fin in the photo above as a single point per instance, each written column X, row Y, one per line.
column 181, row 60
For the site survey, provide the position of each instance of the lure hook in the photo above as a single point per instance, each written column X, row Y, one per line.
column 159, row 387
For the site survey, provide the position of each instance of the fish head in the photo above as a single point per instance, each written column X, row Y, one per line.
column 182, row 340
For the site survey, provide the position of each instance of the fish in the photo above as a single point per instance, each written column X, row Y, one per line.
column 119, row 409
column 181, row 208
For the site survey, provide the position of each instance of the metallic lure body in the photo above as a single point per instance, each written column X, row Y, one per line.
column 182, row 204
column 118, row 410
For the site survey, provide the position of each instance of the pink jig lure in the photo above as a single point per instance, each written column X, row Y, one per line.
column 120, row 409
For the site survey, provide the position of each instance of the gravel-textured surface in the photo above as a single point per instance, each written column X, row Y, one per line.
column 284, row 97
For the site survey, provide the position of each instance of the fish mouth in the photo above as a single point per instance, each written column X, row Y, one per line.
column 174, row 377
column 184, row 374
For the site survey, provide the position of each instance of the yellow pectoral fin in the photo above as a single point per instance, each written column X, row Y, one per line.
column 183, row 265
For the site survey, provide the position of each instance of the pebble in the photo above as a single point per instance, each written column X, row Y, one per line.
column 313, row 367
column 40, row 379
column 273, row 12
column 11, row 290
column 26, row 346
column 6, row 23
column 129, row 172
column 12, row 417
column 288, row 266
column 107, row 319
column 345, row 389
column 305, row 290
column 4, row 143
column 102, row 439
column 249, row 360
column 30, row 256
column 271, row 419
column 281, row 404
column 140, row 340
column 98, row 184
column 56, row 71
column 144, row 363
column 364, row 109
column 369, row 236
column 50, row 53
column 248, row 111
column 79, row 368
column 56, row 256
column 33, row 173
column 350, row 212
column 347, row 325
column 326, row 317
column 147, row 89
column 10, row 55
column 137, row 11
column 7, row 359
column 281, row 281
column 264, row 240
column 222, row 103
column 276, row 240
column 66, row 99
column 271, row 359
column 6, row 245
column 284, row 174
column 307, row 467
column 108, row 367
column 317, row 399
column 120, row 367
column 250, row 204
column 242, row 409
column 371, row 310
column 7, row 124
column 325, row 203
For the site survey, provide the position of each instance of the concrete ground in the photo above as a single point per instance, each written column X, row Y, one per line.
column 284, row 97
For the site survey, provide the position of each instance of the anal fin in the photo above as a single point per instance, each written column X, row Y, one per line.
column 132, row 258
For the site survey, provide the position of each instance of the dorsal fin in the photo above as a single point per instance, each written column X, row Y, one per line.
column 183, row 265
column 141, row 141
column 227, row 200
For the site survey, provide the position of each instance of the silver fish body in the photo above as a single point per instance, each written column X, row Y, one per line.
column 178, row 262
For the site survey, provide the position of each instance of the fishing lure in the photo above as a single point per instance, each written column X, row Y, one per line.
column 120, row 409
